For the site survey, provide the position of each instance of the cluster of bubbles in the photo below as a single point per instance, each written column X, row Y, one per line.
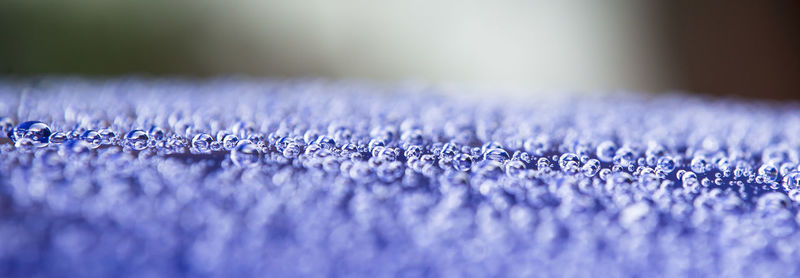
column 232, row 177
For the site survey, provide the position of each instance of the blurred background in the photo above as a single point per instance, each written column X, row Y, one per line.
column 739, row 48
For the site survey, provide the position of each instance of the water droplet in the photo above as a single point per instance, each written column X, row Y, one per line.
column 156, row 133
column 245, row 154
column 291, row 150
column 108, row 136
column 376, row 143
column 515, row 169
column 666, row 164
column 425, row 160
column 569, row 163
column 58, row 137
column 92, row 138
column 689, row 180
column 624, row 157
column 448, row 151
column 136, row 139
column 6, row 125
column 389, row 172
column 490, row 145
column 604, row 173
column 310, row 136
column 699, row 164
column 388, row 154
column 413, row 137
column 412, row 151
column 768, row 171
column 36, row 133
column 591, row 167
column 202, row 142
column 543, row 164
column 326, row 143
column 496, row 154
column 791, row 181
column 606, row 151
column 229, row 141
column 462, row 162
column 522, row 156
column 537, row 146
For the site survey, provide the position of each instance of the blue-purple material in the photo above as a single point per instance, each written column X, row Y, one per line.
column 136, row 177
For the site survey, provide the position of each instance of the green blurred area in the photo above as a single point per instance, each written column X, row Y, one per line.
column 99, row 37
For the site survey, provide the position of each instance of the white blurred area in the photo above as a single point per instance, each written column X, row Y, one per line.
column 510, row 45
column 530, row 46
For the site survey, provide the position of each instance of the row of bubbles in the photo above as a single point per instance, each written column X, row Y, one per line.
column 236, row 177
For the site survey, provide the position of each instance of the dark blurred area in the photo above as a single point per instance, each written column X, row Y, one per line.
column 738, row 48
column 743, row 48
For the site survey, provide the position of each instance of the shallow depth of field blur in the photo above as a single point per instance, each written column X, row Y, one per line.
column 528, row 47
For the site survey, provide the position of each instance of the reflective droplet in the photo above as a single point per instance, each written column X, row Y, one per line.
column 310, row 136
column 36, row 132
column 792, row 181
column 496, row 154
column 245, row 154
column 490, row 145
column 591, row 167
column 624, row 157
column 569, row 163
column 412, row 151
column 6, row 125
column 229, row 141
column 666, row 164
column 462, row 162
column 699, row 164
column 107, row 136
column 604, row 173
column 136, row 139
column 606, row 151
column 92, row 138
column 689, row 180
column 202, row 142
column 156, row 133
column 216, row 146
column 389, row 172
column 768, row 171
column 291, row 150
column 387, row 154
column 515, row 168
column 58, row 137
column 326, row 143
column 522, row 156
